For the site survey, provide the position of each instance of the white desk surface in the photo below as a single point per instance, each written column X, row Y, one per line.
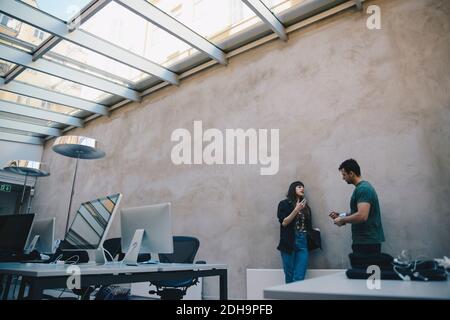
column 338, row 286
column 52, row 270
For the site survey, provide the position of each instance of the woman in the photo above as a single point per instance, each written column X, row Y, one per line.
column 295, row 219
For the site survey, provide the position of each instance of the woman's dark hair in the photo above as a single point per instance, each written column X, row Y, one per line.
column 350, row 165
column 291, row 194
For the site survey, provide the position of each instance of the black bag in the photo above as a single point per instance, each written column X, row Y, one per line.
column 314, row 240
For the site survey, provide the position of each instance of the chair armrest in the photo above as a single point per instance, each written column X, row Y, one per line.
column 200, row 262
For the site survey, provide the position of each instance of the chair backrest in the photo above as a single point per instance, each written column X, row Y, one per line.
column 114, row 247
column 184, row 250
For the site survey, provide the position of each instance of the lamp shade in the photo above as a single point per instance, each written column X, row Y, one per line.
column 27, row 168
column 78, row 147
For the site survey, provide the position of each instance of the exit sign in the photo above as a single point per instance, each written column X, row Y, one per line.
column 5, row 187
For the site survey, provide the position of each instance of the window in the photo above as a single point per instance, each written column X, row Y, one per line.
column 9, row 22
column 4, row 19
column 131, row 32
column 212, row 19
column 21, row 35
column 4, row 67
column 39, row 34
column 45, row 105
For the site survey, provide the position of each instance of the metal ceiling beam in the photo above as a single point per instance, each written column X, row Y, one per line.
column 40, row 20
column 90, row 11
column 20, row 138
column 28, row 90
column 154, row 15
column 268, row 17
column 28, row 111
column 25, row 59
column 52, row 41
column 47, row 46
column 59, row 58
column 23, row 126
column 14, row 73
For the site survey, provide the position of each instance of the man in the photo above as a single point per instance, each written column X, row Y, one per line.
column 365, row 217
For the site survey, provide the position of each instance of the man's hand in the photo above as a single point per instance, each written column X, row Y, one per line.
column 333, row 215
column 339, row 221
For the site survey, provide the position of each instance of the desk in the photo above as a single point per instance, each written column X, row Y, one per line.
column 39, row 276
column 338, row 286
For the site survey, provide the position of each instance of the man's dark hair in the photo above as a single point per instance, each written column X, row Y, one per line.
column 291, row 194
column 350, row 165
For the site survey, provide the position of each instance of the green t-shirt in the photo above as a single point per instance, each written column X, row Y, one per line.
column 371, row 231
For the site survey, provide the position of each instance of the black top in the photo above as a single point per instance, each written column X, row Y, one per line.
column 287, row 234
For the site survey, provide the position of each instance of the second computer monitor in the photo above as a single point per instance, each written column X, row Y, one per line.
column 91, row 223
column 42, row 236
column 147, row 229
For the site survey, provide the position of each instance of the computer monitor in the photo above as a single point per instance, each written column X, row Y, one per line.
column 42, row 236
column 92, row 221
column 146, row 229
column 14, row 230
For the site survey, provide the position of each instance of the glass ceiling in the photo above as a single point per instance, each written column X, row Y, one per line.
column 21, row 132
column 127, row 30
column 47, row 81
column 20, row 34
column 212, row 19
column 5, row 67
column 279, row 6
column 36, row 103
column 120, row 49
column 30, row 120
column 61, row 9
column 84, row 59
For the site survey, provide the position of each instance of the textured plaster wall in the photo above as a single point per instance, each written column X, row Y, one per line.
column 335, row 90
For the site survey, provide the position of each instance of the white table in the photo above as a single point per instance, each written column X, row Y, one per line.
column 40, row 276
column 338, row 286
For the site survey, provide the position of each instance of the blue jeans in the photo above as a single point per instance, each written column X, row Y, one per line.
column 296, row 263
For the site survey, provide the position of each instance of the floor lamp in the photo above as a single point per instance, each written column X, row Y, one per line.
column 79, row 148
column 26, row 168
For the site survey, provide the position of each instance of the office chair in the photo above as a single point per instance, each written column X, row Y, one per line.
column 184, row 251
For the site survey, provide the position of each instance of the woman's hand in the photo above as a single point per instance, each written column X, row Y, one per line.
column 300, row 205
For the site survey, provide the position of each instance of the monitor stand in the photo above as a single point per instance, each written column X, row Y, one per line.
column 32, row 245
column 131, row 257
column 100, row 257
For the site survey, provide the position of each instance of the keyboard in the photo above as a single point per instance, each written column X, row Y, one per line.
column 35, row 261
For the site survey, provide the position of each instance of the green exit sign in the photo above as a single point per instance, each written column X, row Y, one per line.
column 5, row 187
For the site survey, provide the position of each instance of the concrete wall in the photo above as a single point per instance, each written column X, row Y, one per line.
column 335, row 90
